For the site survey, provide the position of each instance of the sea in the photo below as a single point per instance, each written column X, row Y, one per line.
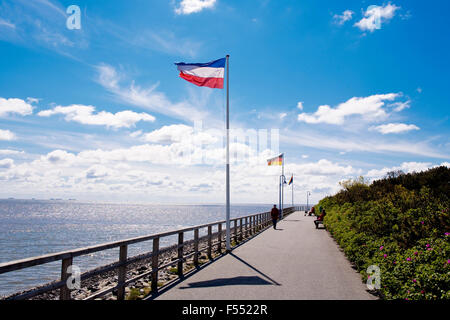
column 30, row 228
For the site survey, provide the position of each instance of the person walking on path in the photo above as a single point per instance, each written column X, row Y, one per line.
column 274, row 213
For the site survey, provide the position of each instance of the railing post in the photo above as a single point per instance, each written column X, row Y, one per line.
column 253, row 225
column 180, row 254
column 65, row 291
column 235, row 231
column 246, row 227
column 209, row 242
column 122, row 272
column 155, row 260
column 219, row 238
column 196, row 247
column 240, row 232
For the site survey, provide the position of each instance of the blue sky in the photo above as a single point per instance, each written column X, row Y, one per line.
column 99, row 113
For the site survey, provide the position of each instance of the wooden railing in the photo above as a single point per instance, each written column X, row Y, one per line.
column 303, row 208
column 240, row 229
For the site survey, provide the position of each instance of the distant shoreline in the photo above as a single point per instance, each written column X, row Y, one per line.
column 145, row 203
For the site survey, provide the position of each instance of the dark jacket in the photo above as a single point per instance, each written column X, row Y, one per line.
column 274, row 213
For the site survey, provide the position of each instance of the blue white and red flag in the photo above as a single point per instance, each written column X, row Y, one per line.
column 210, row 74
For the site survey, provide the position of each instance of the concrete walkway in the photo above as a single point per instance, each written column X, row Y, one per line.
column 294, row 262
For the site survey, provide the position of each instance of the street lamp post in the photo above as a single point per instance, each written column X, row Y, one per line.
column 307, row 199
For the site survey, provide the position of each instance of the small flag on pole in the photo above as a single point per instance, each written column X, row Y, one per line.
column 210, row 74
column 291, row 180
column 277, row 161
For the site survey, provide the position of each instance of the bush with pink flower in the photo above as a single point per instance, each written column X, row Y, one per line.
column 400, row 224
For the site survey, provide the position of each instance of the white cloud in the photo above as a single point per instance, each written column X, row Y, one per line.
column 400, row 106
column 98, row 172
column 85, row 115
column 33, row 100
column 7, row 135
column 7, row 24
column 300, row 105
column 135, row 134
column 305, row 156
column 167, row 42
column 38, row 23
column 395, row 128
column 10, row 152
column 154, row 172
column 13, row 105
column 6, row 163
column 148, row 98
column 374, row 16
column 169, row 134
column 59, row 156
column 370, row 108
column 360, row 143
column 192, row 6
column 406, row 167
column 283, row 115
column 323, row 168
column 344, row 17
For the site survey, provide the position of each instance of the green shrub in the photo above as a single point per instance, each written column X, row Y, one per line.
column 400, row 224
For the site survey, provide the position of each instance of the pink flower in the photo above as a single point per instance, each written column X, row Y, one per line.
column 395, row 262
column 422, row 292
column 381, row 248
column 447, row 234
column 408, row 259
column 429, row 249
column 416, row 253
column 414, row 280
column 448, row 261
column 422, row 222
column 428, row 245
column 385, row 255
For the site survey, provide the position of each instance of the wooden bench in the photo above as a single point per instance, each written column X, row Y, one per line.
column 317, row 223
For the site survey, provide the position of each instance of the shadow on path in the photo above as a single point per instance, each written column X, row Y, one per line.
column 241, row 280
column 250, row 280
column 253, row 268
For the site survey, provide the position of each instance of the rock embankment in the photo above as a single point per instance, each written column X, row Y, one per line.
column 108, row 279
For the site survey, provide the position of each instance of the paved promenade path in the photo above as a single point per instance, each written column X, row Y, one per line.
column 294, row 262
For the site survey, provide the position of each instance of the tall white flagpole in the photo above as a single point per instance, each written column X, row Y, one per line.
column 282, row 187
column 279, row 194
column 228, row 225
column 292, row 189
